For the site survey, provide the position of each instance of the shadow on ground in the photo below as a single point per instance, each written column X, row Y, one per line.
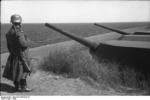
column 6, row 88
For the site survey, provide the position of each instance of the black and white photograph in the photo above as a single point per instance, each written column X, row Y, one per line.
column 74, row 48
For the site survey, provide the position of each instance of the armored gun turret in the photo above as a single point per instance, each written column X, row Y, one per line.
column 131, row 49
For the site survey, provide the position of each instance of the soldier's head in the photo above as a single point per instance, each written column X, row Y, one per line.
column 16, row 19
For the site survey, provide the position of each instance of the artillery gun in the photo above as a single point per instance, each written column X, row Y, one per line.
column 131, row 49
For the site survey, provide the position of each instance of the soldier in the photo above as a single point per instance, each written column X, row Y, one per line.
column 17, row 66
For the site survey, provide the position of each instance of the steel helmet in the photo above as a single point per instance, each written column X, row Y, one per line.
column 16, row 19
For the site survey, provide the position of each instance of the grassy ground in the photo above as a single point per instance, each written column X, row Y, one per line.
column 71, row 70
column 72, row 63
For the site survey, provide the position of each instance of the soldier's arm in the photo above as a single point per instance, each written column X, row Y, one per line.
column 23, row 42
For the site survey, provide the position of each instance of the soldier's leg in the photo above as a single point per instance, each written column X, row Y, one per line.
column 17, row 85
column 23, row 83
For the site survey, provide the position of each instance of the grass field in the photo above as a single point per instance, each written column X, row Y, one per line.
column 38, row 32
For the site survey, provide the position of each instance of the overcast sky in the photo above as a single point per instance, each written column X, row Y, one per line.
column 76, row 11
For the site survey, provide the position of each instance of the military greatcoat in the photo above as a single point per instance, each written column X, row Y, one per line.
column 18, row 60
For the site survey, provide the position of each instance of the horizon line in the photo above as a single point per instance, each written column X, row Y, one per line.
column 78, row 22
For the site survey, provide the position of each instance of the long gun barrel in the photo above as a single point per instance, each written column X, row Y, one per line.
column 115, row 30
column 83, row 41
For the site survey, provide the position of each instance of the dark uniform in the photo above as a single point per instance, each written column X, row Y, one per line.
column 18, row 65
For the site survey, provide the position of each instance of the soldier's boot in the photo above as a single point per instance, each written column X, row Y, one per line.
column 24, row 87
column 17, row 86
